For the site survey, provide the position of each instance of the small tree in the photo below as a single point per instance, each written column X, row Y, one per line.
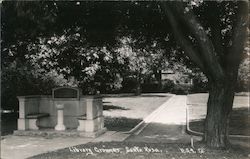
column 143, row 59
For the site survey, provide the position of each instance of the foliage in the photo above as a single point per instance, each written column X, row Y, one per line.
column 85, row 51
column 168, row 85
column 93, row 68
column 19, row 79
column 244, row 76
column 141, row 62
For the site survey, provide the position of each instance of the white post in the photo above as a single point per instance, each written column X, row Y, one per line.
column 191, row 82
column 60, row 126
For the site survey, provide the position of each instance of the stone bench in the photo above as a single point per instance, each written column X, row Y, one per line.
column 82, row 117
column 90, row 125
column 81, row 120
column 32, row 119
column 65, row 109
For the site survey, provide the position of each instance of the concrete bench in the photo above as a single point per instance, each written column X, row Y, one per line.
column 81, row 120
column 82, row 117
column 90, row 125
column 32, row 119
column 67, row 108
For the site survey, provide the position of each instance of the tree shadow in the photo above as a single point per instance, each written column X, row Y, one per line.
column 113, row 107
column 132, row 95
column 155, row 132
column 118, row 95
column 8, row 123
column 120, row 123
column 104, row 102
column 152, row 95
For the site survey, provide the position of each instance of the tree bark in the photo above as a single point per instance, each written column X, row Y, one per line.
column 138, row 89
column 158, row 76
column 219, row 107
column 138, row 83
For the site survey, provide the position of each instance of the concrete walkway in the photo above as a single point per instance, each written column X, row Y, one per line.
column 20, row 147
column 166, row 124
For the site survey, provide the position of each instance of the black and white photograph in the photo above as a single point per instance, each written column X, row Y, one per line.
column 127, row 79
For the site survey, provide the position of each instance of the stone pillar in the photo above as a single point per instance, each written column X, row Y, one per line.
column 60, row 126
column 94, row 121
column 22, row 123
column 90, row 111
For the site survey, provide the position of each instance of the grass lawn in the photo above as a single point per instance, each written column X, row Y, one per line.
column 239, row 120
column 130, row 150
column 122, row 113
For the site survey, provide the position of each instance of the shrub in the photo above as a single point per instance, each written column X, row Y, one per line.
column 167, row 85
column 181, row 89
column 150, row 87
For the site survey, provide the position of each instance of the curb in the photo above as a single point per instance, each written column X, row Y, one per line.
column 139, row 127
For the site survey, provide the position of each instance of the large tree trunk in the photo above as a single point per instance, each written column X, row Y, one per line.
column 219, row 107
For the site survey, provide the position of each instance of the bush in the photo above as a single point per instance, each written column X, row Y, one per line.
column 181, row 89
column 128, row 85
column 244, row 76
column 199, row 86
column 242, row 86
column 150, row 87
column 167, row 85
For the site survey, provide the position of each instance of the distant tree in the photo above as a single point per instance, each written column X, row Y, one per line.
column 142, row 62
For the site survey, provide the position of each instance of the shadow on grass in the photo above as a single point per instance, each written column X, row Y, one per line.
column 152, row 95
column 156, row 132
column 132, row 95
column 104, row 102
column 120, row 123
column 118, row 95
column 8, row 123
column 113, row 107
column 239, row 123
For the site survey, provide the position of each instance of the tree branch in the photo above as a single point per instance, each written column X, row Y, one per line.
column 207, row 50
column 184, row 42
column 216, row 39
column 235, row 52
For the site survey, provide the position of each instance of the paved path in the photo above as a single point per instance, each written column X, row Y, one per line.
column 166, row 124
column 20, row 147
